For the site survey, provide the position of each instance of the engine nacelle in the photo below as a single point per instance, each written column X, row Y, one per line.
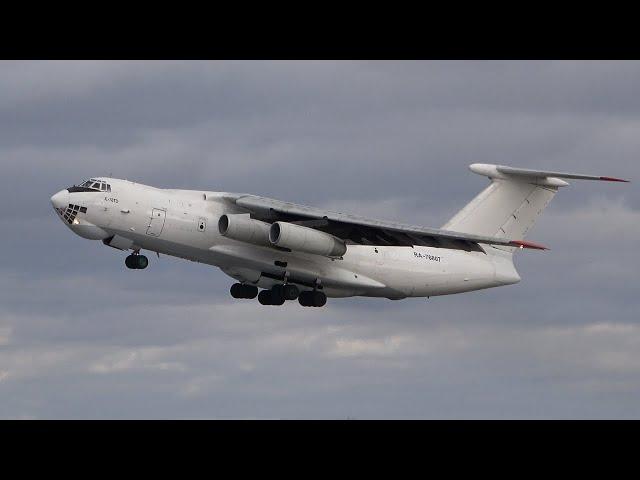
column 304, row 239
column 244, row 229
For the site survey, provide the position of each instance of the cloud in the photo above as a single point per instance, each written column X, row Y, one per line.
column 82, row 337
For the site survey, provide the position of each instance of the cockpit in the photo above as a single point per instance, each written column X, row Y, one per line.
column 91, row 185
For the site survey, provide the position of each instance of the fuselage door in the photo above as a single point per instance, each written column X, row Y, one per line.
column 156, row 224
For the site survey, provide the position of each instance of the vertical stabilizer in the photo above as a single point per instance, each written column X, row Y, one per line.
column 506, row 208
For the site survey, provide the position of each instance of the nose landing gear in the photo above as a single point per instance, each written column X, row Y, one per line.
column 136, row 262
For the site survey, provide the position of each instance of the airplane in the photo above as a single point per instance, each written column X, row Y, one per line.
column 281, row 251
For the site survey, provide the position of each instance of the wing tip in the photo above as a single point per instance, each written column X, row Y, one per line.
column 525, row 244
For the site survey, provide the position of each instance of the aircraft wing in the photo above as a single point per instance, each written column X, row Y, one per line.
column 366, row 231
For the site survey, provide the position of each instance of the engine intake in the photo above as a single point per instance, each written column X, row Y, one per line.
column 305, row 239
column 244, row 229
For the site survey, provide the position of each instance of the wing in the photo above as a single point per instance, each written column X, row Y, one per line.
column 365, row 231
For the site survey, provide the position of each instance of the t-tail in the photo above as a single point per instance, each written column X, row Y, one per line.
column 508, row 208
column 511, row 204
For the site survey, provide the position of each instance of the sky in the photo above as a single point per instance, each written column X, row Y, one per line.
column 81, row 336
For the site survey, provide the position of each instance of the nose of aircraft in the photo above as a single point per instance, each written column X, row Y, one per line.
column 60, row 199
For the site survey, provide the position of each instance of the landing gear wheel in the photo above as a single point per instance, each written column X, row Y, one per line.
column 284, row 292
column 290, row 292
column 236, row 290
column 277, row 295
column 312, row 299
column 141, row 262
column 264, row 297
column 130, row 262
column 136, row 262
column 239, row 290
column 319, row 299
column 304, row 299
column 271, row 297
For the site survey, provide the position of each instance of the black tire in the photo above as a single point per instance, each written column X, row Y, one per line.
column 319, row 299
column 141, row 262
column 250, row 291
column 240, row 290
column 130, row 262
column 304, row 299
column 277, row 300
column 236, row 290
column 264, row 297
column 290, row 292
column 277, row 295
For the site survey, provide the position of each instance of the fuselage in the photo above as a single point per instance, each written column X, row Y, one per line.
column 184, row 224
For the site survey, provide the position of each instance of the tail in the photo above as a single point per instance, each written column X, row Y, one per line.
column 511, row 204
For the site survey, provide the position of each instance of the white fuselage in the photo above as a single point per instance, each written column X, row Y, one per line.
column 184, row 223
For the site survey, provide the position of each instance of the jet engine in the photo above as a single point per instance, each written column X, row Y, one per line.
column 304, row 239
column 244, row 229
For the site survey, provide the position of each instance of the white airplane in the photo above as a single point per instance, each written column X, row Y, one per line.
column 294, row 251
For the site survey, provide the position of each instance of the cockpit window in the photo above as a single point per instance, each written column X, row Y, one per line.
column 93, row 185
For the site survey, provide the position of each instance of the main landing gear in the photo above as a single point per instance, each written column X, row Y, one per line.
column 136, row 261
column 314, row 298
column 240, row 290
column 269, row 297
column 278, row 294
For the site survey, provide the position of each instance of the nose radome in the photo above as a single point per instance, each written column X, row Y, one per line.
column 60, row 199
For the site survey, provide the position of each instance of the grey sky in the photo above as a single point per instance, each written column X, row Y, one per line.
column 83, row 337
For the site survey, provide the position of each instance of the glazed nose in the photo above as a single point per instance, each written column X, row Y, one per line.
column 60, row 199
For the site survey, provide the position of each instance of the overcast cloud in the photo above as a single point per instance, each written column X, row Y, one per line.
column 83, row 337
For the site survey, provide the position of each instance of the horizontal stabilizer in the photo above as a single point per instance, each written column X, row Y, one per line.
column 500, row 171
column 543, row 174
